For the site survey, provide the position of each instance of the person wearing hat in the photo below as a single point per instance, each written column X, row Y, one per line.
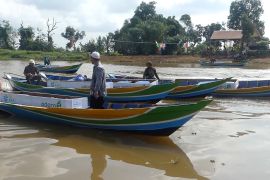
column 31, row 73
column 98, row 83
column 150, row 72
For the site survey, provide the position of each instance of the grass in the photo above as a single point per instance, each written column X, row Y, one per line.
column 6, row 54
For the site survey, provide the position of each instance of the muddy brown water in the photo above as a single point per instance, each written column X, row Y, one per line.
column 229, row 139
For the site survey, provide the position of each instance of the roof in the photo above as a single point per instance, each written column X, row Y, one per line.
column 227, row 35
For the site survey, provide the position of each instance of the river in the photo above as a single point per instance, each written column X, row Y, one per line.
column 229, row 139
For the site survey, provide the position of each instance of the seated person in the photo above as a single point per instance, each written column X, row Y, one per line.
column 150, row 72
column 31, row 73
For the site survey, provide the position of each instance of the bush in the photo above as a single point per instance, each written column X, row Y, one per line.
column 258, row 53
column 260, row 45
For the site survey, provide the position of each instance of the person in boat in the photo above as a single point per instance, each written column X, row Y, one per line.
column 212, row 60
column 46, row 61
column 150, row 72
column 98, row 83
column 31, row 73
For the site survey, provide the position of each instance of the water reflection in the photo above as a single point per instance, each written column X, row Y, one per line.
column 112, row 155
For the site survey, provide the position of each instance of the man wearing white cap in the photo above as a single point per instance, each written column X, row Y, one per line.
column 31, row 73
column 98, row 83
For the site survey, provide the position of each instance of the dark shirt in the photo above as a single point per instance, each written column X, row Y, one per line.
column 150, row 73
column 98, row 83
column 30, row 69
column 47, row 61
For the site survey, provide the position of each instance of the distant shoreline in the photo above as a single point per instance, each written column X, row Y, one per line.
column 158, row 60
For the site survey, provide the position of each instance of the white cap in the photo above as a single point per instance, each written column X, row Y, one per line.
column 95, row 55
column 32, row 61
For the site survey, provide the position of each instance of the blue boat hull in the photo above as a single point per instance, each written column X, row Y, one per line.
column 159, row 129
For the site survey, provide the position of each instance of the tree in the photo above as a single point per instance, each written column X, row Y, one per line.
column 251, row 8
column 7, row 36
column 100, row 45
column 90, row 46
column 139, row 34
column 26, row 37
column 173, row 27
column 186, row 20
column 192, row 35
column 39, row 43
column 208, row 31
column 73, row 36
column 146, row 11
column 247, row 29
column 50, row 28
column 109, row 44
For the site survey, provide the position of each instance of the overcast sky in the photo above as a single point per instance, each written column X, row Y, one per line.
column 99, row 17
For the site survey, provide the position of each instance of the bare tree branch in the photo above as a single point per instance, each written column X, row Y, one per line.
column 51, row 27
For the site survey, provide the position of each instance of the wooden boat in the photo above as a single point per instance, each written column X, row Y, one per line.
column 63, row 101
column 109, row 84
column 222, row 63
column 118, row 80
column 131, row 94
column 43, row 99
column 245, row 88
column 108, row 76
column 79, row 81
column 196, row 90
column 59, row 69
column 186, row 89
column 73, row 83
column 159, row 120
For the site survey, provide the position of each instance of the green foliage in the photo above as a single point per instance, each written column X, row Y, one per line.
column 138, row 35
column 90, row 46
column 39, row 55
column 248, row 29
column 73, row 36
column 251, row 8
column 101, row 44
column 201, row 48
column 260, row 45
column 186, row 20
column 259, row 53
column 146, row 11
column 26, row 37
column 7, row 35
column 208, row 31
column 28, row 41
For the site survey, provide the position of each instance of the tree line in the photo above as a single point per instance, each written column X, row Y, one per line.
column 144, row 32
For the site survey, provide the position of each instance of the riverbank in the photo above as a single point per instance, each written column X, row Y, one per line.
column 80, row 56
column 158, row 60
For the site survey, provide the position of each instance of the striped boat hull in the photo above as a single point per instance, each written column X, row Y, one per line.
column 263, row 91
column 132, row 94
column 198, row 90
column 155, row 120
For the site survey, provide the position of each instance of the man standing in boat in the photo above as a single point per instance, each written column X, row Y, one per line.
column 31, row 73
column 98, row 83
column 150, row 72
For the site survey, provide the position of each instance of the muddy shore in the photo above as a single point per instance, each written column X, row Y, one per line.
column 172, row 61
